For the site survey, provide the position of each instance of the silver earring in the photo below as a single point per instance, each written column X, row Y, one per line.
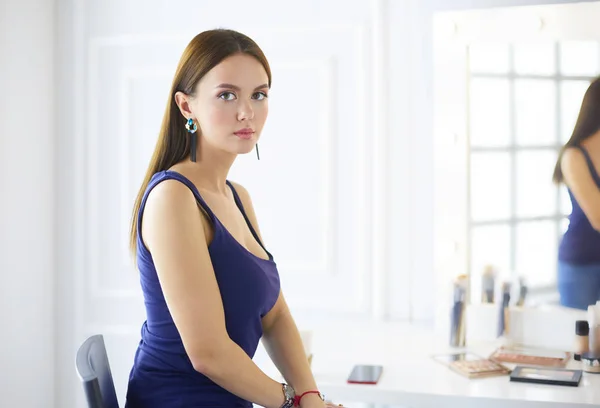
column 257, row 153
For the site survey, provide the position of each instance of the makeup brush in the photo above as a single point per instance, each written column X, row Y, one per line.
column 503, row 309
column 488, row 282
column 522, row 292
column 457, row 317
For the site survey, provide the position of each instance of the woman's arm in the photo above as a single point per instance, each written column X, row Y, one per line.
column 578, row 178
column 172, row 230
column 284, row 345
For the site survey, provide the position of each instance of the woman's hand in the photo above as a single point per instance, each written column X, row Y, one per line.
column 317, row 403
column 321, row 404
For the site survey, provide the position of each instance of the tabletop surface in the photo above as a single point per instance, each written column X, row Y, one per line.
column 412, row 378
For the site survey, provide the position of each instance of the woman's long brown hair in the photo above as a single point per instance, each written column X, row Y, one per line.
column 202, row 54
column 588, row 123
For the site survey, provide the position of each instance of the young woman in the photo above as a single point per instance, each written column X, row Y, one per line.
column 211, row 288
column 578, row 167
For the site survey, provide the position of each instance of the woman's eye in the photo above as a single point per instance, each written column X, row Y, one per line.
column 260, row 96
column 227, row 96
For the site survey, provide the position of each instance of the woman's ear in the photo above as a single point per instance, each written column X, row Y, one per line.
column 183, row 103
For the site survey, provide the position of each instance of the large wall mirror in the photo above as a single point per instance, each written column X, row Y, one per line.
column 508, row 87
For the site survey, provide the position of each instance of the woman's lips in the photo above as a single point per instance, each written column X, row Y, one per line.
column 244, row 133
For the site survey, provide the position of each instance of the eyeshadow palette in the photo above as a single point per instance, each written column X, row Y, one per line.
column 471, row 365
column 552, row 376
column 531, row 357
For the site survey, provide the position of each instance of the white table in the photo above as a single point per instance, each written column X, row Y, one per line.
column 411, row 378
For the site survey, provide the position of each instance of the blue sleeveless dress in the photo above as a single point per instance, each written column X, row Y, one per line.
column 579, row 254
column 581, row 242
column 162, row 374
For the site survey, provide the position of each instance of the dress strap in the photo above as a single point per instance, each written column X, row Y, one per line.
column 239, row 204
column 590, row 164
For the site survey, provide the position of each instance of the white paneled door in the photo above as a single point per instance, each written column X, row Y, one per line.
column 313, row 188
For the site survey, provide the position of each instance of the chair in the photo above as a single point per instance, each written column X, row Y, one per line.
column 93, row 370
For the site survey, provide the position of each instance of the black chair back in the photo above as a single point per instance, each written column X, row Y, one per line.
column 94, row 372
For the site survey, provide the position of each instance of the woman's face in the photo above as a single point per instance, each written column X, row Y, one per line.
column 230, row 105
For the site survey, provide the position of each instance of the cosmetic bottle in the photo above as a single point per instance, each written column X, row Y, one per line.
column 582, row 330
column 594, row 329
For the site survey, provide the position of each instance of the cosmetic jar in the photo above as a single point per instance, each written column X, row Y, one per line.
column 591, row 362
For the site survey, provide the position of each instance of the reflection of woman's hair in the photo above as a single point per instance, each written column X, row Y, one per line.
column 202, row 54
column 588, row 123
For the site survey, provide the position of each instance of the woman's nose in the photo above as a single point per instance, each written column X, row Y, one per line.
column 245, row 112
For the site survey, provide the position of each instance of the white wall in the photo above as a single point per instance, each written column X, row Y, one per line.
column 27, row 158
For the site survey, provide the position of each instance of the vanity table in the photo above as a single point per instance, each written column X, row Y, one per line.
column 412, row 379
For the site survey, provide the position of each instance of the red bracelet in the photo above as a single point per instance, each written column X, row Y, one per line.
column 297, row 398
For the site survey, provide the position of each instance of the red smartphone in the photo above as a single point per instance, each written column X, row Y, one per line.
column 365, row 374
